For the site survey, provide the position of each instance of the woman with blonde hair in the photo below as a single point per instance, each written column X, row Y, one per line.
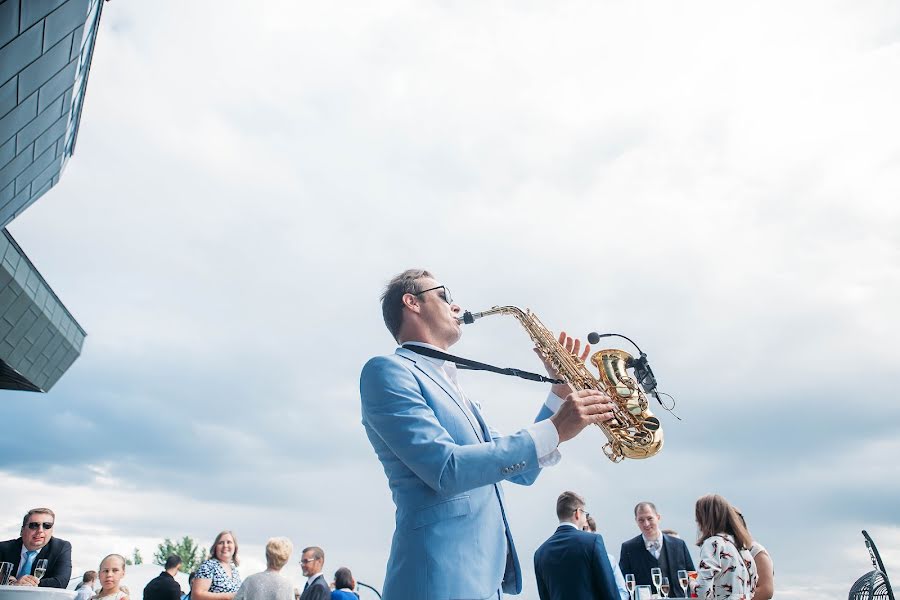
column 726, row 570
column 270, row 584
column 218, row 577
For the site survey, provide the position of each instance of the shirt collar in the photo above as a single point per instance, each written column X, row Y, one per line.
column 313, row 577
column 647, row 540
column 435, row 361
column 569, row 523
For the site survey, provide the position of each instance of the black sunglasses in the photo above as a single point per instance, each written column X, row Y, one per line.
column 35, row 525
column 445, row 295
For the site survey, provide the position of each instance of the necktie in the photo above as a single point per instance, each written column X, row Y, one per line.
column 653, row 548
column 25, row 569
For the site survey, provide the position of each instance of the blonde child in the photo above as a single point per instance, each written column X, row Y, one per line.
column 110, row 574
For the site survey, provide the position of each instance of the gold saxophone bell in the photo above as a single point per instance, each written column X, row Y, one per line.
column 634, row 432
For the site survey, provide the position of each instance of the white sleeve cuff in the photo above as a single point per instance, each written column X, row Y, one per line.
column 546, row 440
column 553, row 402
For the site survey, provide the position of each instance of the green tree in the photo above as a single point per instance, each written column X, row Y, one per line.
column 190, row 552
column 136, row 558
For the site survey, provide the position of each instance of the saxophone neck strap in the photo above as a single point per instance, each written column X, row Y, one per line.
column 472, row 365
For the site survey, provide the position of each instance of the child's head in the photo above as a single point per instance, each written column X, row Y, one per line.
column 111, row 572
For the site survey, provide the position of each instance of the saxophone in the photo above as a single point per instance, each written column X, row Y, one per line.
column 633, row 432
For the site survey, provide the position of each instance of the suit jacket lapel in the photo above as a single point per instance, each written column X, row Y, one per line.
column 437, row 376
column 664, row 555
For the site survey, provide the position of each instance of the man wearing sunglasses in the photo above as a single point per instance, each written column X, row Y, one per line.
column 37, row 543
column 444, row 464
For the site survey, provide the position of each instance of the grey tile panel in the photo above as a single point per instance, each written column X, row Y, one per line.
column 52, row 135
column 9, row 21
column 57, row 85
column 20, row 52
column 77, row 41
column 8, row 96
column 17, row 118
column 32, row 77
column 15, row 167
column 40, row 163
column 64, row 20
column 34, row 10
column 7, row 153
column 38, row 125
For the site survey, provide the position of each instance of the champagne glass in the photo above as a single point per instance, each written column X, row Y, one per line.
column 683, row 581
column 665, row 587
column 6, row 571
column 656, row 576
column 40, row 568
column 629, row 584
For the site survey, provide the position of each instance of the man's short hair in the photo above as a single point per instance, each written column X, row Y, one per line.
column 343, row 578
column 37, row 511
column 318, row 553
column 392, row 298
column 567, row 504
column 88, row 576
column 173, row 561
column 278, row 552
column 644, row 504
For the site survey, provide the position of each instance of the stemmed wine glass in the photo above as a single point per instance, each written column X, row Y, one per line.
column 683, row 581
column 656, row 576
column 629, row 584
column 665, row 587
column 40, row 568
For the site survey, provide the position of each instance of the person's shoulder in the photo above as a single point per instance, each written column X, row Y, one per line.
column 60, row 543
column 385, row 362
column 635, row 541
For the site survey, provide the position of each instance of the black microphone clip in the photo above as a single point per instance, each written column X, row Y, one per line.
column 644, row 374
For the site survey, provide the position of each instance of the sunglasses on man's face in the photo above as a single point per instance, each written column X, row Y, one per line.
column 35, row 525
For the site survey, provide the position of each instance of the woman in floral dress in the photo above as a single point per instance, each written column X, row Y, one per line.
column 726, row 570
column 218, row 577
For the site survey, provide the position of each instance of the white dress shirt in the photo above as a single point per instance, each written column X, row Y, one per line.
column 654, row 551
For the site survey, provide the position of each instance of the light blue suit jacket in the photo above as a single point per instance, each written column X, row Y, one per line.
column 452, row 539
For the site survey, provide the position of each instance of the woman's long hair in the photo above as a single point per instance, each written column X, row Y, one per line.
column 715, row 515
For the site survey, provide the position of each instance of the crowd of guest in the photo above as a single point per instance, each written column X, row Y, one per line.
column 37, row 558
column 573, row 563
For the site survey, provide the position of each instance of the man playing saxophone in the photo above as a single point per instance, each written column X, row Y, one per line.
column 443, row 463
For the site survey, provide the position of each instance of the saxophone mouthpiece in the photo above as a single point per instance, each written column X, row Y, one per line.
column 467, row 318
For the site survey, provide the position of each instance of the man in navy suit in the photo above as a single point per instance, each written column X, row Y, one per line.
column 443, row 463
column 36, row 543
column 573, row 564
column 654, row 549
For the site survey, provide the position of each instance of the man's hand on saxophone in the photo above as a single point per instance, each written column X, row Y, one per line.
column 579, row 409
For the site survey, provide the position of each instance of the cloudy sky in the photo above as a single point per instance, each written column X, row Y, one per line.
column 716, row 180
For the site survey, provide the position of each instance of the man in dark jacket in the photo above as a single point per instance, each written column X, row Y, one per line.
column 573, row 564
column 654, row 549
column 164, row 586
column 311, row 563
column 35, row 543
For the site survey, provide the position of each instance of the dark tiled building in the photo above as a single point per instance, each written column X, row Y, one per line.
column 45, row 57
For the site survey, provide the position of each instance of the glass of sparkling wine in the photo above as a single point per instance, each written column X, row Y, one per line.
column 656, row 576
column 629, row 584
column 40, row 567
column 683, row 581
column 665, row 587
